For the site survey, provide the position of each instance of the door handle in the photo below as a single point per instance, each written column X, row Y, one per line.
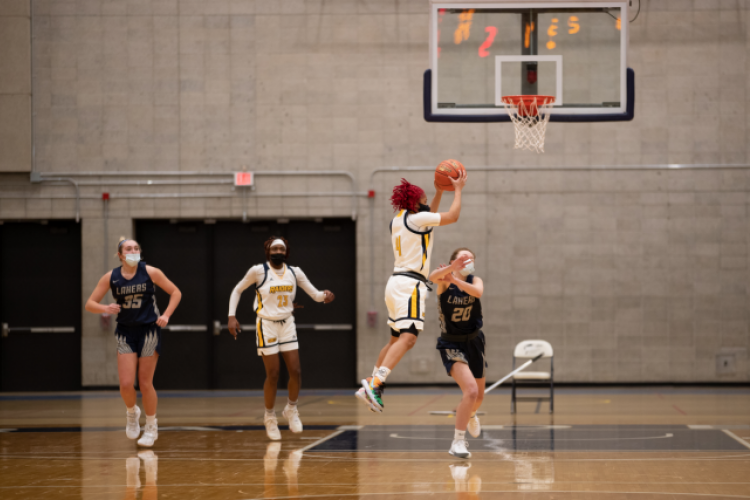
column 7, row 330
column 218, row 327
column 186, row 328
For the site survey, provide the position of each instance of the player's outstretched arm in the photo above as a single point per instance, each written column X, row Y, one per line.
column 304, row 283
column 438, row 276
column 475, row 289
column 175, row 295
column 451, row 216
column 93, row 304
column 435, row 204
column 441, row 272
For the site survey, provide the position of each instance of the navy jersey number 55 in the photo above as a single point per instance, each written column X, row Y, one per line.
column 136, row 297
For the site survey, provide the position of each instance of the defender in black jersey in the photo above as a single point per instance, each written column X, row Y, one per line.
column 138, row 331
column 461, row 342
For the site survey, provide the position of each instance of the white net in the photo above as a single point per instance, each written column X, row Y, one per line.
column 530, row 115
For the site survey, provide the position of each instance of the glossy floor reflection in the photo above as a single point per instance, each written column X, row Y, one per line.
column 649, row 451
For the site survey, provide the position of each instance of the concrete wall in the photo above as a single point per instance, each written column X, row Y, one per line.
column 15, row 86
column 631, row 275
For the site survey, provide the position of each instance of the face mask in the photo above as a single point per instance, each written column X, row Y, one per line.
column 278, row 258
column 132, row 258
column 469, row 269
column 423, row 208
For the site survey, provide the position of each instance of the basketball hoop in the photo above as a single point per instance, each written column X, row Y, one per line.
column 530, row 115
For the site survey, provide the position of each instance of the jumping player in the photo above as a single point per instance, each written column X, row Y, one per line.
column 461, row 342
column 276, row 287
column 138, row 331
column 411, row 237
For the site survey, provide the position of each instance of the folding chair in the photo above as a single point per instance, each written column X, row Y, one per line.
column 530, row 349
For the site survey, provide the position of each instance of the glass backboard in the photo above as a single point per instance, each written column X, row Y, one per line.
column 574, row 51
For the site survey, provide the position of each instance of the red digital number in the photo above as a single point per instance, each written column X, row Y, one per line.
column 492, row 31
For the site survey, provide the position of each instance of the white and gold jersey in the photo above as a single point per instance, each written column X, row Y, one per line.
column 411, row 236
column 275, row 290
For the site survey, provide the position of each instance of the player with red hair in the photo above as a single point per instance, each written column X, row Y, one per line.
column 411, row 236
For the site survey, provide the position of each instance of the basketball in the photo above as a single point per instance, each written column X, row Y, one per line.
column 446, row 170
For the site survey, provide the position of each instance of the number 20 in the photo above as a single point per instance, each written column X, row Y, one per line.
column 461, row 314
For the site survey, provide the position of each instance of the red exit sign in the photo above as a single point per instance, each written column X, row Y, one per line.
column 243, row 178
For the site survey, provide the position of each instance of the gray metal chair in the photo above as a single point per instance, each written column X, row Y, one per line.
column 526, row 350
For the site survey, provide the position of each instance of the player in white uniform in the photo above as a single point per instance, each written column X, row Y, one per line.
column 411, row 236
column 276, row 287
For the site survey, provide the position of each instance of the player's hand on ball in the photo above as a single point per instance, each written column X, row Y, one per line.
column 113, row 309
column 459, row 183
column 329, row 296
column 438, row 188
column 163, row 320
column 234, row 326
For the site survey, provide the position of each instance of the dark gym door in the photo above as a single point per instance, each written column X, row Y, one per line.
column 207, row 260
column 40, row 306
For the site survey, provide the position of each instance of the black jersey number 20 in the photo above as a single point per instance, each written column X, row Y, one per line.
column 132, row 301
column 461, row 314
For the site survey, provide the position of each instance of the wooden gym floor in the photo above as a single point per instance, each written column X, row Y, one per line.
column 609, row 443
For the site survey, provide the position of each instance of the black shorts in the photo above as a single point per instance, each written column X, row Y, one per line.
column 144, row 340
column 471, row 353
column 412, row 329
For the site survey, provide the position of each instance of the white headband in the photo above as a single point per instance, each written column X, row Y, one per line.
column 278, row 242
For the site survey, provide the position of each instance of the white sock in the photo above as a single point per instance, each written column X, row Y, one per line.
column 289, row 402
column 459, row 435
column 151, row 419
column 131, row 410
column 270, row 413
column 383, row 373
column 374, row 371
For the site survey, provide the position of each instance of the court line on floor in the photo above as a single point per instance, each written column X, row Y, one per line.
column 736, row 437
column 349, row 485
column 322, row 457
column 426, row 404
column 665, row 436
column 526, row 494
column 321, row 440
column 727, row 458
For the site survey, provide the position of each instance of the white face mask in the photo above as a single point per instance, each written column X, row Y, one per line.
column 469, row 269
column 132, row 259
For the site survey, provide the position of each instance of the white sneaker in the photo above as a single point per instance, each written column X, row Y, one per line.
column 460, row 449
column 292, row 415
column 150, row 434
column 362, row 396
column 474, row 428
column 133, row 427
column 272, row 428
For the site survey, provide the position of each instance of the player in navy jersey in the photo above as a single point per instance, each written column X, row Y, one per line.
column 138, row 331
column 461, row 342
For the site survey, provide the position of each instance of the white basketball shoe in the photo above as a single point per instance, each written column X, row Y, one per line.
column 292, row 415
column 133, row 426
column 474, row 428
column 272, row 427
column 460, row 449
column 150, row 434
